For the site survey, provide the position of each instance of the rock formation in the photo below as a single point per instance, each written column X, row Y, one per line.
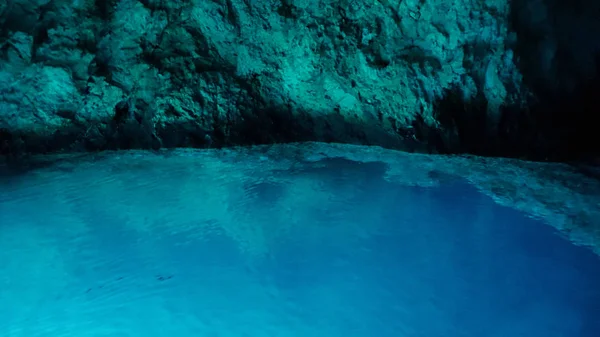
column 493, row 77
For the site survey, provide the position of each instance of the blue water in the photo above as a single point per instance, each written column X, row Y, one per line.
column 328, row 250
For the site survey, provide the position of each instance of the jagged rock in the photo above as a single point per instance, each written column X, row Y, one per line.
column 414, row 75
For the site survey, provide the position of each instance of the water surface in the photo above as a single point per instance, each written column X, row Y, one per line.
column 330, row 249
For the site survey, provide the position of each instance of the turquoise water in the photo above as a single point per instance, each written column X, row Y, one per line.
column 325, row 250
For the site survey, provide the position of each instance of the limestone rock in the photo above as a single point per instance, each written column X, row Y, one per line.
column 426, row 76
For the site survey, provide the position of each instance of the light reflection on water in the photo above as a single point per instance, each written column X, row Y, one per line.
column 328, row 249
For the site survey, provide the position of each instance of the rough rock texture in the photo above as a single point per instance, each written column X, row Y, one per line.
column 558, row 194
column 485, row 77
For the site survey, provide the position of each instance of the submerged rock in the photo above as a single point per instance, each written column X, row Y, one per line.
column 560, row 195
column 483, row 77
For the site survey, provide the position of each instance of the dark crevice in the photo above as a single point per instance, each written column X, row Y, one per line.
column 464, row 122
column 560, row 62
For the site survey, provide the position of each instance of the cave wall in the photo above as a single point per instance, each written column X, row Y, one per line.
column 559, row 57
column 417, row 75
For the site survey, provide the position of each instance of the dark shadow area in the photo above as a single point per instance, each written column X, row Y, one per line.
column 557, row 127
column 265, row 125
column 559, row 53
